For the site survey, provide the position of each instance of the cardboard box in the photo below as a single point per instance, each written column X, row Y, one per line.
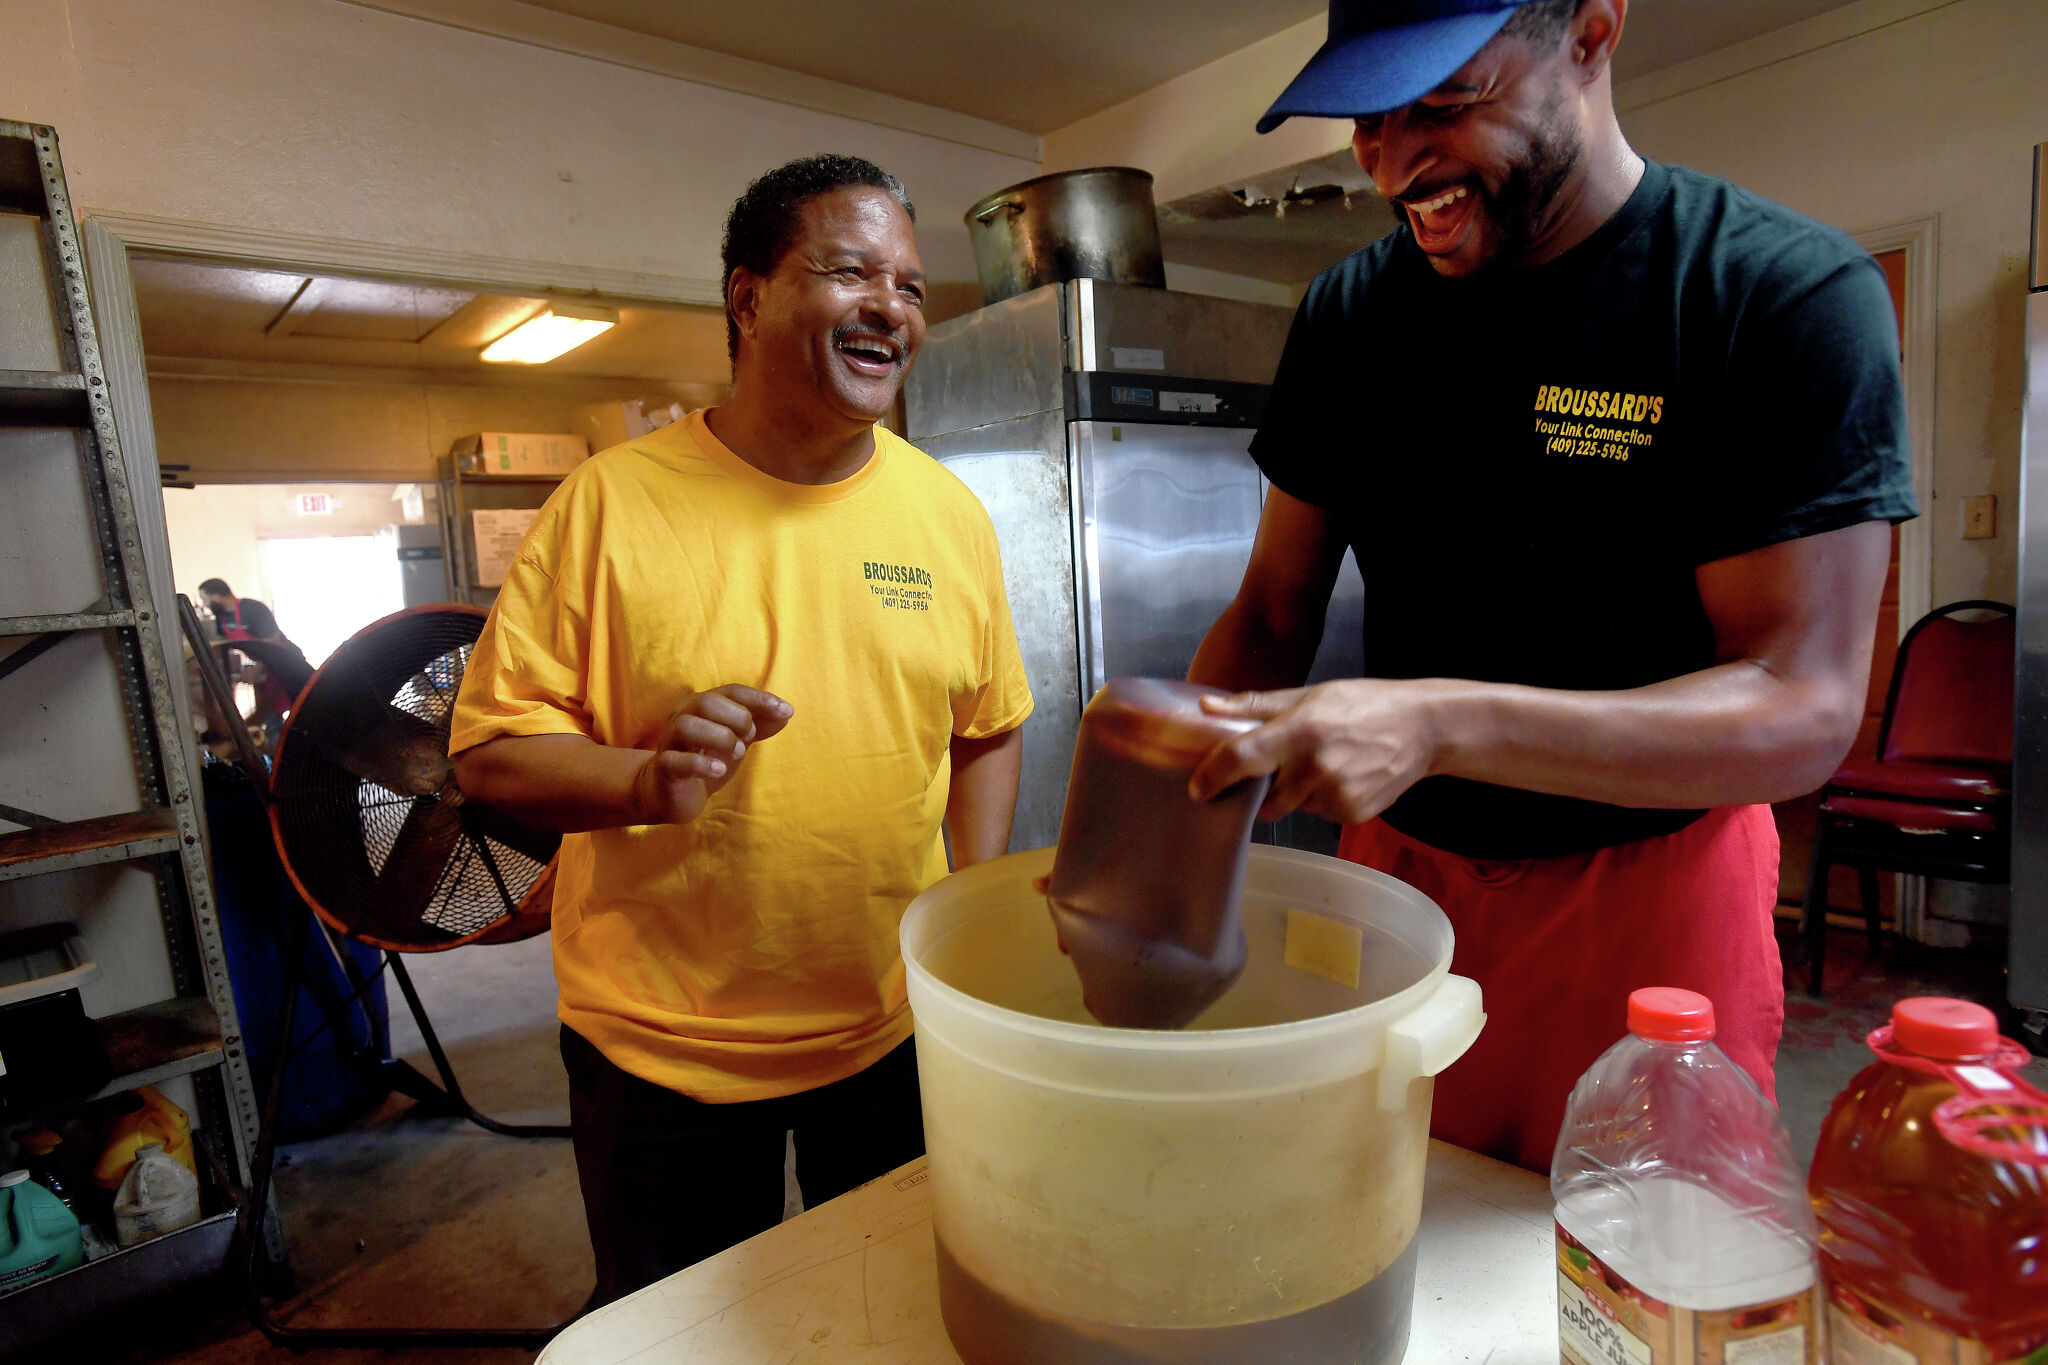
column 497, row 532
column 605, row 425
column 522, row 454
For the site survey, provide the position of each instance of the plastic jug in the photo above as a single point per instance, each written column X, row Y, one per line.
column 1245, row 1190
column 1146, row 885
column 154, row 1119
column 1683, row 1232
column 156, row 1196
column 1931, row 1187
column 38, row 1235
column 41, row 1152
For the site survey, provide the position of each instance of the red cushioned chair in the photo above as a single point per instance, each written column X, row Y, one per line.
column 1936, row 799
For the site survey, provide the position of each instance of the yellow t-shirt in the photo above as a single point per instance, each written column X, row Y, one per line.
column 752, row 952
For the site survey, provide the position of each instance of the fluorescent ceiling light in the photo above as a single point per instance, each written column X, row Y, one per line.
column 554, row 330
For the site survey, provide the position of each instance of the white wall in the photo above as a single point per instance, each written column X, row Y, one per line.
column 1195, row 131
column 329, row 120
column 1935, row 114
column 1194, row 279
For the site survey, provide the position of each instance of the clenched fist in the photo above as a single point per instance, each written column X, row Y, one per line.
column 700, row 749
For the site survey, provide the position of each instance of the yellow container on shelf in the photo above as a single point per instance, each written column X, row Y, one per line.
column 155, row 1120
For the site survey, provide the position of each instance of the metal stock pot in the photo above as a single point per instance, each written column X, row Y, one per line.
column 1096, row 224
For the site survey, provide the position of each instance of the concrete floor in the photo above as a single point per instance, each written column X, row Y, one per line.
column 404, row 1220
column 432, row 1222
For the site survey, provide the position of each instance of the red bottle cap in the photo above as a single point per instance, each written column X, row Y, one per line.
column 1666, row 1014
column 1947, row 1030
column 1993, row 1114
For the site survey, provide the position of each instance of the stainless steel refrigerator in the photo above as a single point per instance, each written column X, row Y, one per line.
column 2027, row 981
column 1105, row 428
column 423, row 575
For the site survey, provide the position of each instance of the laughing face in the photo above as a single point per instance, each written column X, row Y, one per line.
column 842, row 315
column 1480, row 167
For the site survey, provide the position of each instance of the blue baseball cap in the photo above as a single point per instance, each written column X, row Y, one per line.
column 1382, row 54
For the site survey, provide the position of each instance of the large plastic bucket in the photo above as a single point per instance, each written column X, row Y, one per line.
column 1245, row 1189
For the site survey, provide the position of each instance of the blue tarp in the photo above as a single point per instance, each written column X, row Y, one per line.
column 334, row 1079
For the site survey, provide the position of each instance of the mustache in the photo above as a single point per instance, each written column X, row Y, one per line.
column 848, row 330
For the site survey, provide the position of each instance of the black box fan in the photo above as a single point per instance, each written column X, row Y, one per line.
column 370, row 823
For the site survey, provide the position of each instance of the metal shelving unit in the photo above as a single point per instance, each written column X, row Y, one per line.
column 90, row 724
column 464, row 493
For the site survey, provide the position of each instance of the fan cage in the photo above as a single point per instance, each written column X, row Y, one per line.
column 371, row 828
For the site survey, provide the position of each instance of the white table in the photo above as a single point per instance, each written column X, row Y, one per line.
column 853, row 1283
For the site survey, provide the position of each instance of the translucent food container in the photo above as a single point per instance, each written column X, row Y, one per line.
column 1246, row 1189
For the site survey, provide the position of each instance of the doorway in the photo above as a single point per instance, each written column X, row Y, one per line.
column 322, row 556
column 328, row 588
column 1798, row 819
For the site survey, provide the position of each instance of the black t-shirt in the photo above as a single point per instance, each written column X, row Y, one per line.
column 1531, row 464
column 256, row 618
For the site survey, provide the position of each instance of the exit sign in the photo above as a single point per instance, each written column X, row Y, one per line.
column 313, row 505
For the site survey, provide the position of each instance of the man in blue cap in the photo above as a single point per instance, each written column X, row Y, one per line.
column 1617, row 446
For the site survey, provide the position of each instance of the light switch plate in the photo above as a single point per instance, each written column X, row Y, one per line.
column 1980, row 517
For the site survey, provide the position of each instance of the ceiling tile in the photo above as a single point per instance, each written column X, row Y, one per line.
column 369, row 310
column 224, row 313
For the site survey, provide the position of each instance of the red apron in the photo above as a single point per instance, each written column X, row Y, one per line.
column 272, row 697
column 1557, row 944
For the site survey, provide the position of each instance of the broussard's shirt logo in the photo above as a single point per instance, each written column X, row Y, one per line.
column 1596, row 424
column 900, row 587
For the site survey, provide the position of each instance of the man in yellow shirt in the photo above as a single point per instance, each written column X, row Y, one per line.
column 748, row 665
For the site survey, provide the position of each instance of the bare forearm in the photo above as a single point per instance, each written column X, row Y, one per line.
column 1792, row 629
column 1792, row 625
column 983, row 797
column 1728, row 735
column 1268, row 636
column 565, row 783
column 1247, row 650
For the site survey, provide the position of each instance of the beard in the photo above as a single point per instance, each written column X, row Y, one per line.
column 1523, row 205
